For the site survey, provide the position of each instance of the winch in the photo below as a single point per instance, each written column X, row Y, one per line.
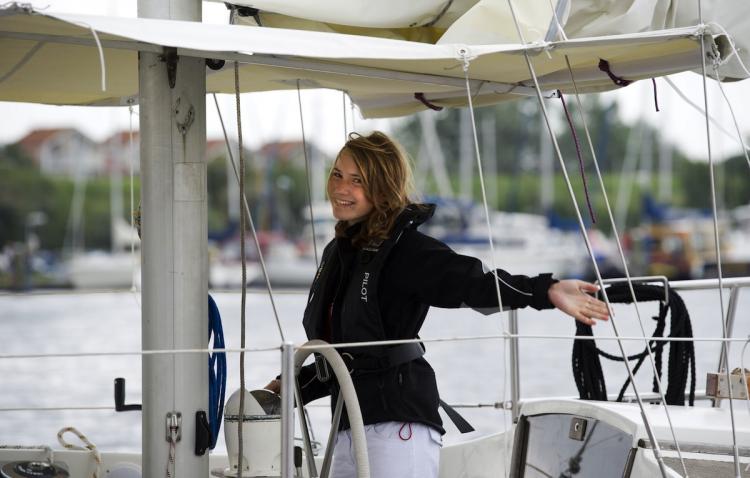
column 32, row 469
column 261, row 435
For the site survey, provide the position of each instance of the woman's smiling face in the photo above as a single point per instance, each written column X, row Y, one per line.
column 346, row 191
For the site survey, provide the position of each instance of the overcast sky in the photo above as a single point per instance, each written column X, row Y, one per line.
column 275, row 115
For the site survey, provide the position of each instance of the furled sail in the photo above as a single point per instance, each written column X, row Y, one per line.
column 63, row 59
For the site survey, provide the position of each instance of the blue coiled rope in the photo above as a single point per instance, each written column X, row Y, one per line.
column 217, row 372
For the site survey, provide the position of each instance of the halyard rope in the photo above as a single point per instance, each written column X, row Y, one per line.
column 244, row 267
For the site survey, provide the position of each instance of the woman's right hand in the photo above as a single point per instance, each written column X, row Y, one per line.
column 274, row 386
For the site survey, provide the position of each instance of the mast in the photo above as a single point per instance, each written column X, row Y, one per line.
column 174, row 248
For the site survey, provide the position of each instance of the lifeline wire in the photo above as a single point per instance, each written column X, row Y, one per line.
column 243, row 259
column 503, row 405
column 252, row 224
column 716, row 240
column 624, row 261
column 647, row 424
column 307, row 174
column 365, row 344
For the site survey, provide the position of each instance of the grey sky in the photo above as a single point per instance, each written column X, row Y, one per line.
column 275, row 115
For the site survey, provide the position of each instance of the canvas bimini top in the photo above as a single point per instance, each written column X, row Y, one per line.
column 67, row 59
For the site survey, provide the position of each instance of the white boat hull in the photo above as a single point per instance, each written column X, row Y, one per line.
column 98, row 270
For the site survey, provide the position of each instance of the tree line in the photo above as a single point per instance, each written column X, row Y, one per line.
column 277, row 188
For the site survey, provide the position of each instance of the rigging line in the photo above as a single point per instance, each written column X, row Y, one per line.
column 465, row 60
column 557, row 22
column 717, row 247
column 100, row 49
column 243, row 260
column 307, row 174
column 131, row 161
column 577, row 144
column 656, row 97
column 744, row 379
column 304, row 417
column 744, row 375
column 646, row 422
column 29, row 54
column 464, row 57
column 252, row 224
column 732, row 45
column 343, row 104
column 101, row 58
column 626, row 269
column 699, row 109
column 734, row 117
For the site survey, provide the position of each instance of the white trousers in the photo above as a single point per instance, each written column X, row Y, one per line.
column 395, row 449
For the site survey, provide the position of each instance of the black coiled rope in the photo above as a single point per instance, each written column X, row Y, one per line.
column 587, row 368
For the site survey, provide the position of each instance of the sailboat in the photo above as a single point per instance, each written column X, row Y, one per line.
column 472, row 53
column 118, row 267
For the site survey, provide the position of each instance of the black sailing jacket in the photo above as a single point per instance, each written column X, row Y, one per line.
column 383, row 293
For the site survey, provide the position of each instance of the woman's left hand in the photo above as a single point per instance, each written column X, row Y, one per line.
column 573, row 297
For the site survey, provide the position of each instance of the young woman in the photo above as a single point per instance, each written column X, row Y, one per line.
column 376, row 281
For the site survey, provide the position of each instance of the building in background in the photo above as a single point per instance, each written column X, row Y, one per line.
column 62, row 152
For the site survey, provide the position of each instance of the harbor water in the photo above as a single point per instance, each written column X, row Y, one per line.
column 80, row 389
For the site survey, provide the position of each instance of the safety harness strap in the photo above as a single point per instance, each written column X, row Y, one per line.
column 359, row 363
column 460, row 422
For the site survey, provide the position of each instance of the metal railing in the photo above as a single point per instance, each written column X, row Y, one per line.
column 734, row 285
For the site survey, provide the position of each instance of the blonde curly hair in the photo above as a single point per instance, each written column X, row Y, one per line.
column 387, row 180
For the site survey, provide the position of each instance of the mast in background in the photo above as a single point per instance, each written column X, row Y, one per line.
column 174, row 248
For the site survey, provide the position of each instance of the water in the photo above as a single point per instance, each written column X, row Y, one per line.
column 468, row 371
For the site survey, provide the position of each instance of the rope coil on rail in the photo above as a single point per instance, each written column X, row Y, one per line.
column 88, row 446
column 587, row 369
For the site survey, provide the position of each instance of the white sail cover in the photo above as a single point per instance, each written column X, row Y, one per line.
column 482, row 22
column 56, row 59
